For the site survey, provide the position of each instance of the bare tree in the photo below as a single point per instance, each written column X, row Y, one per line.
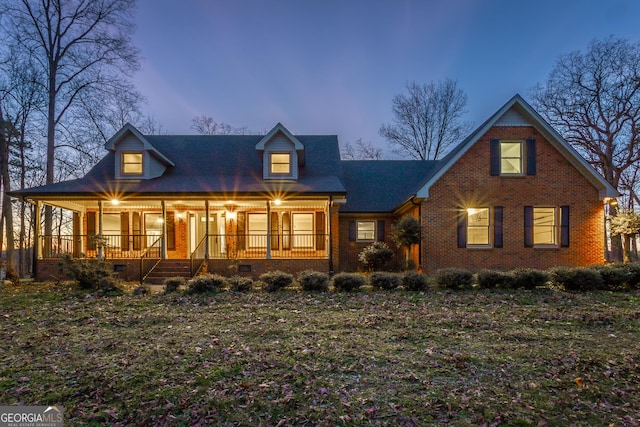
column 427, row 120
column 78, row 46
column 361, row 151
column 593, row 99
column 206, row 125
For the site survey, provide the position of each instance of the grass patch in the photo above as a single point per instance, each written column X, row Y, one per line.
column 499, row 357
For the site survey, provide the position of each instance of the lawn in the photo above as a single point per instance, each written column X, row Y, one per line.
column 290, row 358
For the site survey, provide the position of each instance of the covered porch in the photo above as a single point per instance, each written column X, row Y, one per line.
column 139, row 233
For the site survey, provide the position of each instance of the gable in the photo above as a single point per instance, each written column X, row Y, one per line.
column 282, row 154
column 129, row 148
column 516, row 112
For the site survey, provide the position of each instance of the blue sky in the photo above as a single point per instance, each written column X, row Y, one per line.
column 333, row 67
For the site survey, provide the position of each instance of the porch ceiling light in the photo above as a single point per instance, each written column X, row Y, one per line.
column 115, row 202
column 277, row 202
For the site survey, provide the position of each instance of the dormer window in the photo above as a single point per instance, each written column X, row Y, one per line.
column 132, row 164
column 281, row 163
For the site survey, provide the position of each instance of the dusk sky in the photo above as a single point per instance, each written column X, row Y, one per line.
column 333, row 67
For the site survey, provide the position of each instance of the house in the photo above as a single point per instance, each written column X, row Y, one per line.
column 512, row 194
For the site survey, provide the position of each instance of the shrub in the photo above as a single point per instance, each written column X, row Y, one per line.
column 386, row 281
column 276, row 280
column 91, row 273
column 313, row 281
column 634, row 274
column 348, row 281
column 140, row 290
column 205, row 283
column 576, row 279
column 453, row 278
column 172, row 284
column 376, row 255
column 491, row 279
column 528, row 278
column 414, row 281
column 240, row 283
column 614, row 277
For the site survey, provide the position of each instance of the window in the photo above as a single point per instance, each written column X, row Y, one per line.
column 478, row 227
column 257, row 230
column 303, row 236
column 281, row 163
column 510, row 158
column 366, row 231
column 132, row 163
column 544, row 226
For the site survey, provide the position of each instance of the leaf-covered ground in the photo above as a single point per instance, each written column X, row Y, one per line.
column 369, row 358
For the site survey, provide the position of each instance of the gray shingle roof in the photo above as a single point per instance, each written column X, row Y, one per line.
column 222, row 164
column 383, row 185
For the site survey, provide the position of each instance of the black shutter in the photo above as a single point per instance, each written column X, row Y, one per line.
column 495, row 157
column 240, row 240
column 497, row 226
column 275, row 232
column 124, row 231
column 528, row 226
column 564, row 226
column 380, row 230
column 321, row 230
column 352, row 230
column 137, row 231
column 171, row 230
column 462, row 228
column 531, row 156
column 91, row 230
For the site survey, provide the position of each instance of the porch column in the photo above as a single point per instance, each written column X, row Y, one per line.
column 100, row 242
column 330, row 243
column 77, row 241
column 36, row 231
column 268, row 229
column 206, row 229
column 163, row 240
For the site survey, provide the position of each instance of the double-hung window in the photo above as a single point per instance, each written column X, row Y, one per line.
column 510, row 158
column 365, row 231
column 546, row 226
column 478, row 227
column 132, row 164
column 280, row 163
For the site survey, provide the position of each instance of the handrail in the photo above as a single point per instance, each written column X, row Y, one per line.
column 144, row 274
column 194, row 260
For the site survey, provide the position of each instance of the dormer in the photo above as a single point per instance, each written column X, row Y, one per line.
column 282, row 154
column 135, row 156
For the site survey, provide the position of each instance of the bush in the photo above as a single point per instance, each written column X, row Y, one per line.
column 205, row 283
column 172, row 284
column 313, row 281
column 240, row 283
column 528, row 278
column 276, row 280
column 348, row 281
column 91, row 273
column 453, row 278
column 491, row 279
column 385, row 281
column 376, row 255
column 576, row 279
column 414, row 281
column 634, row 274
column 614, row 277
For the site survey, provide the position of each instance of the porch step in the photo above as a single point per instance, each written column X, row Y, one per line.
column 169, row 268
